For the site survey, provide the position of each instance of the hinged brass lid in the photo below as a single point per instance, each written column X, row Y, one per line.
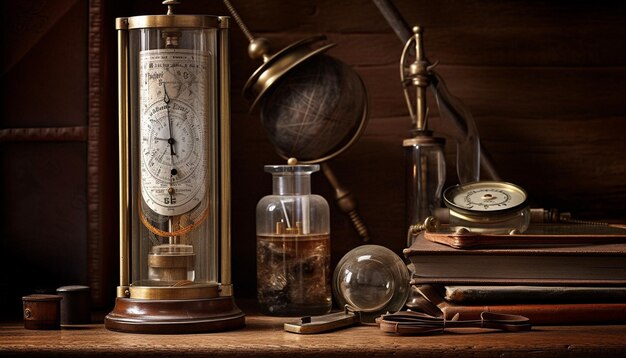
column 279, row 64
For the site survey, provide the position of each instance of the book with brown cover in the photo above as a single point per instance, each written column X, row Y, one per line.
column 484, row 294
column 539, row 314
column 562, row 265
column 536, row 235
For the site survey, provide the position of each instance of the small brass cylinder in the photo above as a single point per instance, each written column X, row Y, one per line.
column 171, row 267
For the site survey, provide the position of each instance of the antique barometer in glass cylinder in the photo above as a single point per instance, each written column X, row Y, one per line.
column 174, row 176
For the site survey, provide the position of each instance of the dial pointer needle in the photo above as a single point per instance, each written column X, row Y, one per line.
column 166, row 99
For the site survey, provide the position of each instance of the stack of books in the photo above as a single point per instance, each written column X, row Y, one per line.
column 567, row 282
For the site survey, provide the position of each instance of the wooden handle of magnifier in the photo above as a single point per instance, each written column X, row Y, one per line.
column 346, row 202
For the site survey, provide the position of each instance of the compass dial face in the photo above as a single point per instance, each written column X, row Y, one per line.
column 172, row 130
column 485, row 197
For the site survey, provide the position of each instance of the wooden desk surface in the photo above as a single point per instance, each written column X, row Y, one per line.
column 264, row 336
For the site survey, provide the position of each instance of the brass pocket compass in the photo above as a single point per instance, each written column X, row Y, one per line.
column 488, row 207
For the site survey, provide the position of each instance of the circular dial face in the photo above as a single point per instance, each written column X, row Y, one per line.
column 172, row 169
column 486, row 196
column 172, row 138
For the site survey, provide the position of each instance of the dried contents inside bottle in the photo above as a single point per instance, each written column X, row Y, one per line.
column 293, row 274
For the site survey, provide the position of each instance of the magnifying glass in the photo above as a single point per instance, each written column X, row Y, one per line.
column 368, row 281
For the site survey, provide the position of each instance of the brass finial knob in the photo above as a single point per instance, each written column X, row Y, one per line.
column 170, row 5
column 258, row 48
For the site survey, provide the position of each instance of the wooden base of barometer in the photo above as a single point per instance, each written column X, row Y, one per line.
column 175, row 316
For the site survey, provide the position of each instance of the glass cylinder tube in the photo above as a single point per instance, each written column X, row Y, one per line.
column 293, row 245
column 174, row 175
column 174, row 151
column 425, row 175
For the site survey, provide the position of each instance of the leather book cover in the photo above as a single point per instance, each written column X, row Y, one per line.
column 577, row 265
column 547, row 314
column 537, row 235
column 468, row 295
column 539, row 314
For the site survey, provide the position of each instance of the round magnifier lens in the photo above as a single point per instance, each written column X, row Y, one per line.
column 373, row 280
column 367, row 284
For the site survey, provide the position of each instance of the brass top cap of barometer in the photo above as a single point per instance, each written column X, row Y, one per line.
column 170, row 20
column 177, row 21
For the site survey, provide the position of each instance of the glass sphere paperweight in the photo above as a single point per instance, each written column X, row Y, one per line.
column 373, row 280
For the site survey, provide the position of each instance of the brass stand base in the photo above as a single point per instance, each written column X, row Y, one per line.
column 175, row 316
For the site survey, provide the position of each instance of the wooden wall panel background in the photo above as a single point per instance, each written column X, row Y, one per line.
column 58, row 224
column 43, row 163
column 545, row 81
